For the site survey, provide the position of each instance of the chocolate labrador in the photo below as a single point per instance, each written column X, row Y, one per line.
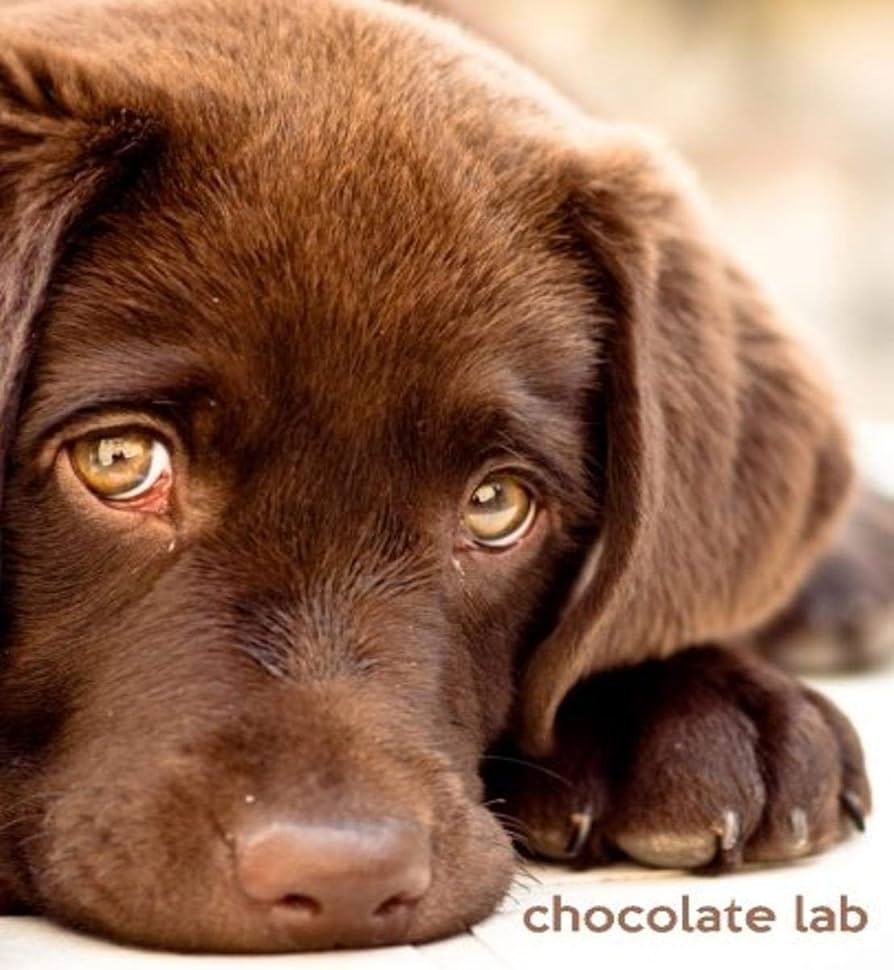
column 378, row 428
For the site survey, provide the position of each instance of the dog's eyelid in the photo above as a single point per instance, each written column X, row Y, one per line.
column 170, row 426
column 509, row 464
column 123, row 425
column 531, row 455
column 163, row 406
column 544, row 478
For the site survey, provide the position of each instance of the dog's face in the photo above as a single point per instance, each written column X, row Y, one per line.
column 305, row 449
column 312, row 448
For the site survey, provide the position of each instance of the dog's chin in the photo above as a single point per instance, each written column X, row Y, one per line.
column 132, row 870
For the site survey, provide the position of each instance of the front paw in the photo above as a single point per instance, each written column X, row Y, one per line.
column 706, row 759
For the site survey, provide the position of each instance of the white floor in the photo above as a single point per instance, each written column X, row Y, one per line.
column 861, row 870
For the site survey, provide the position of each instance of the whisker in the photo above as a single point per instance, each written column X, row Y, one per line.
column 524, row 762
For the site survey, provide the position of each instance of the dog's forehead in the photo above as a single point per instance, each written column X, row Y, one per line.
column 384, row 292
column 349, row 312
column 367, row 235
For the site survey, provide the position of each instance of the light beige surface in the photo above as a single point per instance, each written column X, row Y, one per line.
column 860, row 869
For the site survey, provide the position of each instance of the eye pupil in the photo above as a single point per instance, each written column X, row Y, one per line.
column 110, row 451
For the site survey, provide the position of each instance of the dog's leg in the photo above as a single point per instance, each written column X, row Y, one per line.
column 707, row 759
column 842, row 618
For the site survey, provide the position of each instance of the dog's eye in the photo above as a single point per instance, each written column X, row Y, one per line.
column 500, row 511
column 120, row 467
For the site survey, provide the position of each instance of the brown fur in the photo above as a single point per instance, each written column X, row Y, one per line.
column 345, row 257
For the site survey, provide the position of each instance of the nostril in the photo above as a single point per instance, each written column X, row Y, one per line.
column 395, row 906
column 350, row 881
column 300, row 904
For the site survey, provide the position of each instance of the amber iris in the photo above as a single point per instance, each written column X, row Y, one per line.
column 120, row 466
column 499, row 511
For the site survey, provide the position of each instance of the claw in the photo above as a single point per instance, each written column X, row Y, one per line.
column 854, row 809
column 729, row 841
column 581, row 822
column 731, row 832
column 798, row 819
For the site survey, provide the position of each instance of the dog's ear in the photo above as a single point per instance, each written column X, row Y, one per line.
column 66, row 150
column 720, row 458
column 63, row 149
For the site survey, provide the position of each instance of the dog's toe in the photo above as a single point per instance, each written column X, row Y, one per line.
column 704, row 761
column 669, row 850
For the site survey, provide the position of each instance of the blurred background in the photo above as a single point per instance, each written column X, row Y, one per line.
column 785, row 108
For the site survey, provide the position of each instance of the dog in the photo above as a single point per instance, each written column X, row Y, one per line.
column 391, row 452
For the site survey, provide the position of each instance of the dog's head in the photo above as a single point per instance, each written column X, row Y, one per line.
column 358, row 399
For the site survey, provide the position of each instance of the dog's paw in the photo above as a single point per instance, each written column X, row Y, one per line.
column 707, row 759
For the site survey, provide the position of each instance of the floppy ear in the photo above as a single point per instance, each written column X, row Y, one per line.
column 61, row 154
column 65, row 152
column 723, row 466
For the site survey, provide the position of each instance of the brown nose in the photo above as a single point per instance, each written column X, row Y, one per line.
column 350, row 883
